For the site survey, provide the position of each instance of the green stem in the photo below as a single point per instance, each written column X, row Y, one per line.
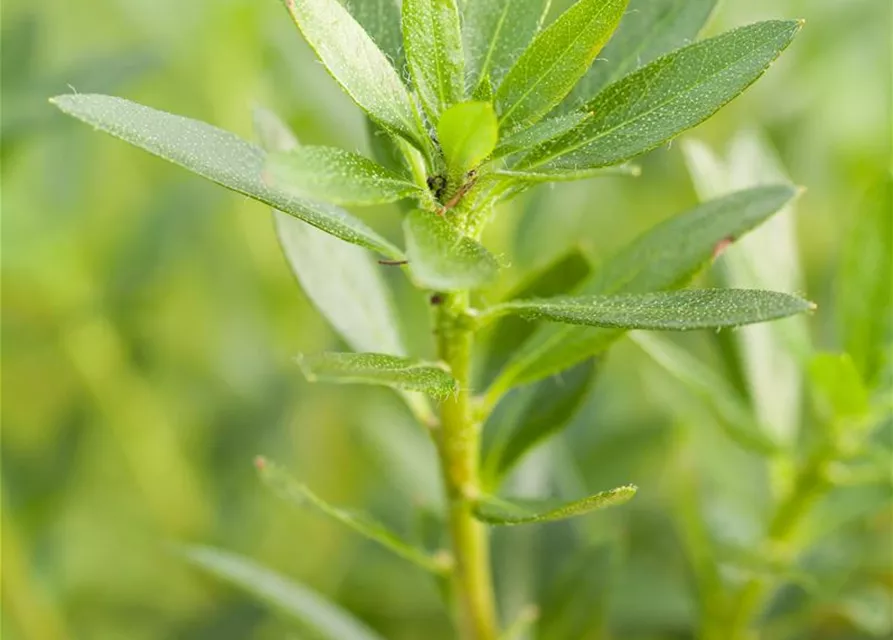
column 459, row 447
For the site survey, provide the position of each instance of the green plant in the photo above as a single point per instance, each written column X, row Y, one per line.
column 480, row 124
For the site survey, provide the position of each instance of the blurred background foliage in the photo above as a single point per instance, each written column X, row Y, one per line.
column 149, row 320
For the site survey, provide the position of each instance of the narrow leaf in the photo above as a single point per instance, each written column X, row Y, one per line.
column 555, row 60
column 336, row 176
column 216, row 155
column 381, row 20
column 674, row 93
column 669, row 311
column 498, row 511
column 649, row 29
column 539, row 133
column 285, row 595
column 665, row 257
column 570, row 175
column 433, row 43
column 495, row 32
column 354, row 298
column 296, row 493
column 467, row 134
column 379, row 369
column 358, row 65
column 442, row 259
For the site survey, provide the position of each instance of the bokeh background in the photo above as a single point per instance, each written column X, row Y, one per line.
column 149, row 322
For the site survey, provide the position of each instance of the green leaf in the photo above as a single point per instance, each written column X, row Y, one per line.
column 733, row 414
column 865, row 283
column 665, row 257
column 649, row 29
column 467, row 134
column 495, row 32
column 555, row 60
column 283, row 594
column 569, row 175
column 379, row 369
column 354, row 299
column 381, row 20
column 296, row 493
column 668, row 311
column 498, row 511
column 839, row 388
column 674, row 93
column 358, row 65
column 337, row 176
column 442, row 259
column 433, row 42
column 214, row 154
column 539, row 133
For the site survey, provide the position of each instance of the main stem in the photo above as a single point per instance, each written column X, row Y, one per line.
column 459, row 446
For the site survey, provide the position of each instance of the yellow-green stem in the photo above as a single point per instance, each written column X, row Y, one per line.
column 459, row 447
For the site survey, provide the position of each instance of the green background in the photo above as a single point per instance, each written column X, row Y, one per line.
column 149, row 322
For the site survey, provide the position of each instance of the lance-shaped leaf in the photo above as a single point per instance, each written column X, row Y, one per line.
column 539, row 133
column 674, row 93
column 285, row 595
column 381, row 20
column 441, row 258
column 358, row 65
column 495, row 32
column 298, row 494
column 214, row 154
column 668, row 311
column 570, row 175
column 499, row 511
column 663, row 258
column 555, row 60
column 649, row 29
column 433, row 43
column 379, row 369
column 467, row 134
column 337, row 176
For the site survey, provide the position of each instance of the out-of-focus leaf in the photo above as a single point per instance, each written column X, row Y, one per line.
column 433, row 42
column 731, row 410
column 379, row 369
column 441, row 259
column 500, row 511
column 668, row 96
column 384, row 147
column 381, row 20
column 865, row 284
column 358, row 65
column 665, row 257
column 296, row 493
column 669, row 311
column 467, row 134
column 839, row 389
column 556, row 59
column 337, row 176
column 649, row 29
column 285, row 595
column 539, row 133
column 214, row 154
column 547, row 408
column 495, row 32
column 534, row 177
column 353, row 298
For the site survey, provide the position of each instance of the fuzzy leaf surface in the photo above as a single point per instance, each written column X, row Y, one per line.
column 499, row 511
column 467, row 133
column 664, row 257
column 661, row 100
column 298, row 494
column 287, row 596
column 216, row 155
column 442, row 259
column 357, row 64
column 556, row 59
column 381, row 20
column 648, row 30
column 379, row 369
column 663, row 311
column 495, row 32
column 539, row 133
column 337, row 176
column 570, row 175
column 433, row 43
column 342, row 280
